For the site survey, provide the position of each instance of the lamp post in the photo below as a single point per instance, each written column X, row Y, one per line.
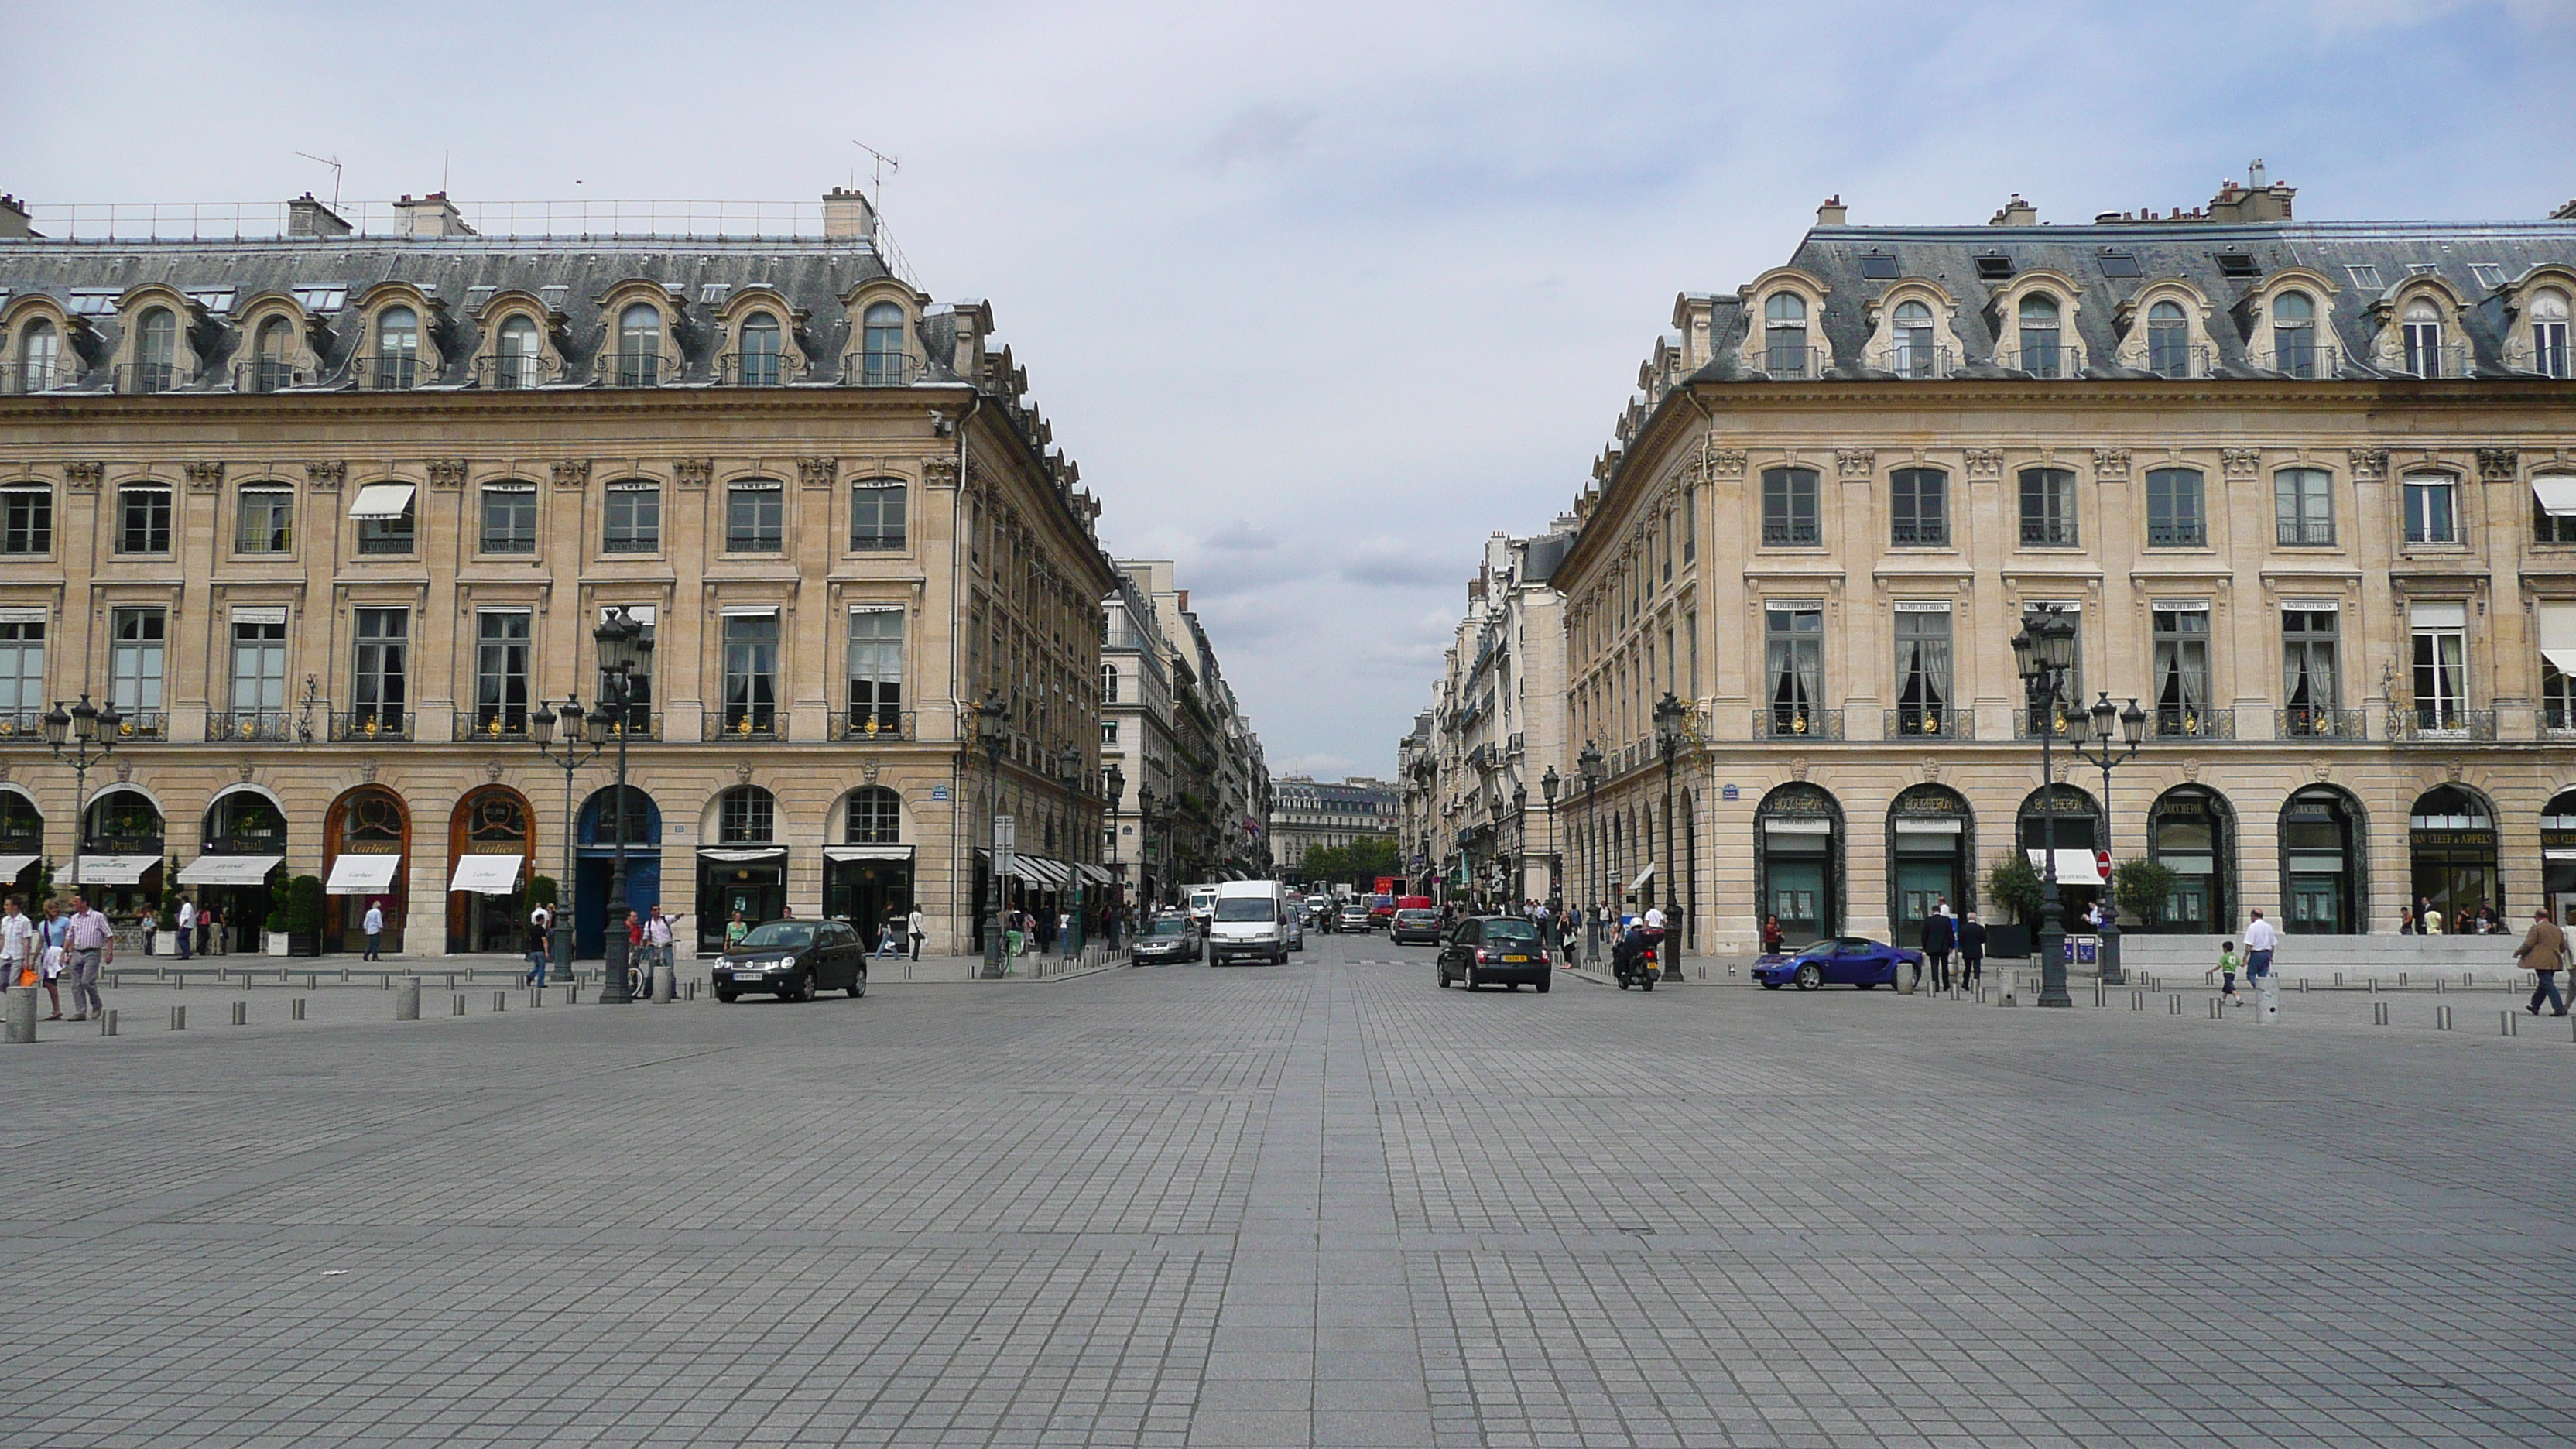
column 541, row 728
column 2043, row 652
column 1113, row 785
column 81, row 726
column 2111, row 728
column 1520, row 838
column 624, row 652
column 1144, row 848
column 990, row 719
column 1547, row 788
column 1587, row 766
column 1069, row 769
column 1669, row 711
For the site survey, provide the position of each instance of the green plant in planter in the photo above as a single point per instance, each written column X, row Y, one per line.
column 304, row 904
column 2014, row 884
column 541, row 890
column 2142, row 887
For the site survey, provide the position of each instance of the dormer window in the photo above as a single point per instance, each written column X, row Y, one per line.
column 882, row 352
column 2041, row 332
column 760, row 349
column 1784, row 334
column 397, row 361
column 2549, row 334
column 521, row 353
column 2422, row 333
column 639, row 346
column 156, row 351
column 40, row 351
column 2168, row 340
column 273, row 356
column 2294, row 334
column 1911, row 353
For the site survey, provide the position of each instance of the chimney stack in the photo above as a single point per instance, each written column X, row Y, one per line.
column 307, row 217
column 430, row 217
column 848, row 216
column 2015, row 212
column 13, row 219
column 1833, row 212
column 2255, row 201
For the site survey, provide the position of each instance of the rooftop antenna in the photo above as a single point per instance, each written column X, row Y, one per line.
column 334, row 163
column 883, row 163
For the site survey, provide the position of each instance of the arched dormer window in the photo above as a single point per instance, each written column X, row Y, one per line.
column 396, row 365
column 2168, row 340
column 40, row 353
column 2042, row 351
column 884, row 360
column 639, row 345
column 519, row 355
column 2294, row 334
column 1910, row 350
column 1108, row 684
column 759, row 352
column 2421, row 332
column 2549, row 334
column 273, row 356
column 1784, row 335
column 1911, row 330
column 156, row 351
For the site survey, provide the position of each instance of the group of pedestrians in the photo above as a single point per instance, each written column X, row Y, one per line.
column 43, row 951
column 194, row 930
column 1953, row 947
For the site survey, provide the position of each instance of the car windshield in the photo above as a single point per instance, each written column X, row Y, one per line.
column 792, row 934
column 1245, row 908
column 1169, row 926
column 1414, row 918
column 1510, row 931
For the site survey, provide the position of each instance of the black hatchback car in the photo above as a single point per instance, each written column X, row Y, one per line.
column 1491, row 950
column 794, row 960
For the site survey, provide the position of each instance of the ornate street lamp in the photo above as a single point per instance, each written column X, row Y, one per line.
column 2043, row 653
column 1144, row 849
column 1070, row 771
column 1113, row 786
column 82, row 726
column 992, row 719
column 1587, row 767
column 1548, row 785
column 1669, row 714
column 2111, row 728
column 625, row 654
column 541, row 729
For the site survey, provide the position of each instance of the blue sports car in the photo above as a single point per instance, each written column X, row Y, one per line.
column 1840, row 961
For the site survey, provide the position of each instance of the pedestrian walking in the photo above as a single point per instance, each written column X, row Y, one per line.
column 887, row 931
column 210, row 933
column 919, row 927
column 661, row 942
column 1972, row 950
column 17, row 946
column 2544, row 954
column 53, row 950
column 374, row 926
column 1773, row 939
column 90, row 942
column 541, row 924
column 735, row 930
column 2430, row 919
column 2225, row 970
column 2260, row 938
column 1939, row 936
column 2407, row 925
column 149, row 926
column 187, row 924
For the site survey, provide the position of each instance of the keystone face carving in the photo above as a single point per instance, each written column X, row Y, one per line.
column 573, row 473
column 1985, row 463
column 940, row 472
column 2369, row 464
column 326, row 477
column 447, row 473
column 1854, row 462
column 693, row 472
column 2242, row 462
column 2498, row 465
column 2110, row 463
column 1726, row 462
column 817, row 472
column 84, row 477
column 204, row 477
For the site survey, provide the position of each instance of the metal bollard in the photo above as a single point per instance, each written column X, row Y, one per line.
column 2437, row 986
column 2441, row 1018
column 296, row 1010
column 178, row 1018
column 2401, row 980
column 2303, row 984
column 536, row 996
column 456, row 1004
column 22, row 1014
column 2216, row 1007
column 2379, row 1013
column 2508, row 1024
column 500, row 1002
column 2173, row 1006
column 407, row 1002
column 2338, row 980
column 241, row 1013
column 2373, row 985
column 572, row 992
column 107, row 1023
column 2137, row 1001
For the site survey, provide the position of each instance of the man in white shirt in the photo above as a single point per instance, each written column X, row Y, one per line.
column 17, row 943
column 2260, row 938
column 919, row 928
column 187, row 925
column 374, row 926
column 658, row 938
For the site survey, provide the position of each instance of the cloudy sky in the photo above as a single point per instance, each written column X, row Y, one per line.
column 1320, row 294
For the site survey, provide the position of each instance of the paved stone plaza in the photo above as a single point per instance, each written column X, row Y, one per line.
column 1319, row 1204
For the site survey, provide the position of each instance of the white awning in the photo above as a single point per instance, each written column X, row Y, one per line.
column 1796, row 825
column 112, row 869
column 223, row 870
column 2438, row 615
column 486, row 875
column 2544, row 855
column 1643, row 876
column 2316, row 864
column 1038, row 870
column 867, row 852
column 2557, row 496
column 382, row 500
column 1905, row 826
column 2074, row 867
column 1100, row 875
column 11, row 865
column 361, row 875
column 2558, row 636
column 744, row 855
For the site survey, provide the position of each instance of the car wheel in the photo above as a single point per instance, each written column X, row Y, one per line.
column 1471, row 978
column 858, row 986
column 1810, row 976
column 1444, row 978
column 726, row 994
column 1542, row 988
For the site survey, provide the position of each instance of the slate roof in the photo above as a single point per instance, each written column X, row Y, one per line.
column 2189, row 251
column 571, row 274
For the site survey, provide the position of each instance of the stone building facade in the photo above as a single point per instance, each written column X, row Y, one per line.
column 2309, row 490
column 1311, row 814
column 333, row 517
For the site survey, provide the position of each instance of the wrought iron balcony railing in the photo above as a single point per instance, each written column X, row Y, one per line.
column 1916, row 362
column 490, row 724
column 268, row 374
column 1783, row 361
column 872, row 722
column 2043, row 359
column 630, row 369
column 142, row 377
column 1796, row 722
column 506, row 371
column 2194, row 722
column 2440, row 724
column 142, row 725
column 22, row 726
column 1930, row 722
column 362, row 725
column 2308, row 362
column 388, row 371
column 880, row 369
column 248, row 725
column 765, row 724
column 754, row 369
column 2318, row 722
column 27, row 377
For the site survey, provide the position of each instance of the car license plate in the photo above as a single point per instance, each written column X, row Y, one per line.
column 1516, row 960
column 745, row 973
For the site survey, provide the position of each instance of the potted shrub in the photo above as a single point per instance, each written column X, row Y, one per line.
column 304, row 904
column 2014, row 886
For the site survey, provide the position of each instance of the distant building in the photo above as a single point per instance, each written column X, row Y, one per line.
column 1308, row 814
column 1212, row 823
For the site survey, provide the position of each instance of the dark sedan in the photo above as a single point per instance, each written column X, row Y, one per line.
column 793, row 960
column 1496, row 950
column 1164, row 939
column 1836, row 961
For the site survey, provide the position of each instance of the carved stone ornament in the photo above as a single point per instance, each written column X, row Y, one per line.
column 693, row 472
column 492, row 772
column 742, row 772
column 2242, row 462
column 83, row 477
column 1986, row 463
column 939, row 472
column 1854, row 462
column 2498, row 465
column 2110, row 463
column 1798, row 768
column 868, row 770
column 1932, row 772
column 367, row 771
column 817, row 472
column 2191, row 770
column 2451, row 772
column 125, row 772
column 572, row 473
column 447, row 473
column 1726, row 462
column 2369, row 465
column 326, row 477
column 203, row 477
column 2324, row 770
column 4, row 770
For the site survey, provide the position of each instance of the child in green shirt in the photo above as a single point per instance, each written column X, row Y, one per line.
column 2227, row 966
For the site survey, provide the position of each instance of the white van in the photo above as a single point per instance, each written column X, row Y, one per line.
column 1200, row 902
column 1251, row 923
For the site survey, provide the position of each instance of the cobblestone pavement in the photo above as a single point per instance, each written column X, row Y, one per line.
column 1319, row 1204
